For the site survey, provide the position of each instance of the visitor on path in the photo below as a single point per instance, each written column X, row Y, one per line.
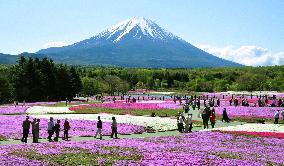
column 225, row 116
column 26, row 129
column 24, row 103
column 186, row 108
column 205, row 118
column 194, row 105
column 276, row 117
column 33, row 129
column 50, row 129
column 213, row 118
column 36, row 130
column 66, row 128
column 198, row 104
column 57, row 130
column 114, row 128
column 99, row 128
column 188, row 123
column 218, row 102
column 180, row 123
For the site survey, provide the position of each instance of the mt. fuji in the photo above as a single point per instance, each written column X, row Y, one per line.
column 136, row 42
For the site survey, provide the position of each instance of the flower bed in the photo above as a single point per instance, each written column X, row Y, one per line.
column 137, row 106
column 249, row 112
column 11, row 127
column 199, row 148
column 262, row 130
column 48, row 110
column 8, row 110
column 157, row 123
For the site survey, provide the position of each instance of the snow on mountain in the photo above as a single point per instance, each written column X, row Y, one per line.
column 136, row 42
column 137, row 28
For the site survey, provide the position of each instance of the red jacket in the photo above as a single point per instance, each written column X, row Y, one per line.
column 213, row 118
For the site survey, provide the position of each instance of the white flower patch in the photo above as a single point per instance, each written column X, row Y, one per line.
column 254, row 128
column 48, row 110
column 157, row 123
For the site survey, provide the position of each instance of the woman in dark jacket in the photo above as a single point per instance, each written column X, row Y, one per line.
column 57, row 130
column 225, row 116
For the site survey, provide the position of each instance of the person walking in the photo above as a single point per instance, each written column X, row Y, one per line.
column 57, row 130
column 114, row 128
column 276, row 117
column 33, row 129
column 186, row 108
column 26, row 129
column 205, row 118
column 50, row 129
column 180, row 123
column 36, row 130
column 66, row 128
column 213, row 119
column 225, row 116
column 188, row 123
column 99, row 128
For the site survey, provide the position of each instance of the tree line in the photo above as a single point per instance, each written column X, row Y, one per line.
column 38, row 80
column 43, row 80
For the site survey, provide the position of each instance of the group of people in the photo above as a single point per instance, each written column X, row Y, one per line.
column 55, row 128
column 100, row 128
column 208, row 115
column 184, row 122
column 277, row 116
column 51, row 129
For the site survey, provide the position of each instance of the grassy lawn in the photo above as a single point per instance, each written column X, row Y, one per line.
column 2, row 138
column 81, row 156
column 63, row 104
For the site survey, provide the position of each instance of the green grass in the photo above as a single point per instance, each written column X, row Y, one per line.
column 2, row 138
column 229, row 155
column 63, row 104
column 81, row 156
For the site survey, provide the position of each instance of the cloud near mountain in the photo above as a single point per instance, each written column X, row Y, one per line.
column 55, row 44
column 247, row 55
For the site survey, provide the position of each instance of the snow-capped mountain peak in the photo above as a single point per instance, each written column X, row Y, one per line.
column 136, row 27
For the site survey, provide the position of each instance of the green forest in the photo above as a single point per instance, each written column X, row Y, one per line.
column 43, row 80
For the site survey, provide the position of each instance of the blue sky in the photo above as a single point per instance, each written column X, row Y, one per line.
column 29, row 25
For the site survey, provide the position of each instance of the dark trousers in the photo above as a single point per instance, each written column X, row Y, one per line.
column 213, row 124
column 113, row 132
column 190, row 127
column 276, row 120
column 66, row 134
column 34, row 136
column 25, row 135
column 50, row 133
column 205, row 123
column 56, row 136
column 180, row 127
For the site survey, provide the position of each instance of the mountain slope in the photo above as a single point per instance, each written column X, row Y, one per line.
column 137, row 42
column 8, row 59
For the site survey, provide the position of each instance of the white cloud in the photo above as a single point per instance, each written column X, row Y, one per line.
column 55, row 44
column 247, row 55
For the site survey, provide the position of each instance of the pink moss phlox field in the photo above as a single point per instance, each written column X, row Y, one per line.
column 11, row 127
column 249, row 112
column 13, row 110
column 199, row 148
column 130, row 106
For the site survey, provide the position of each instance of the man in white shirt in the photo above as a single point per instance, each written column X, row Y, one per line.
column 50, row 129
